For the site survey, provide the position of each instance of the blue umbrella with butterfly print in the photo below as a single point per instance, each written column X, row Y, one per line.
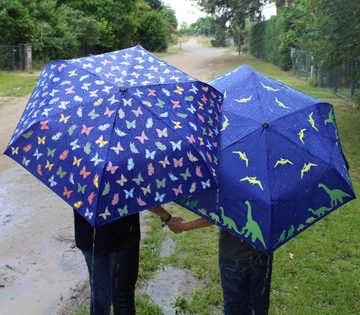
column 281, row 166
column 120, row 132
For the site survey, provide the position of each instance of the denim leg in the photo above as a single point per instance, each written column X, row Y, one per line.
column 235, row 277
column 100, row 301
column 246, row 284
column 260, row 284
column 123, row 266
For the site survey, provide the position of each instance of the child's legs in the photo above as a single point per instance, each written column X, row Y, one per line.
column 260, row 284
column 235, row 277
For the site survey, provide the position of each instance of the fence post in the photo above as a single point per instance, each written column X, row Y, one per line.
column 26, row 57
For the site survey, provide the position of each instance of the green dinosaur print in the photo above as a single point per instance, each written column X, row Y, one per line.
column 310, row 220
column 291, row 232
column 282, row 238
column 252, row 227
column 300, row 227
column 336, row 195
column 214, row 217
column 319, row 212
column 229, row 223
column 203, row 211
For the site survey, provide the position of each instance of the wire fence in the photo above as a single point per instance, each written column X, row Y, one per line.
column 11, row 57
column 340, row 80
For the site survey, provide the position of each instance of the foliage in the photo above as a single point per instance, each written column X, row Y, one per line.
column 152, row 32
column 155, row 4
column 169, row 17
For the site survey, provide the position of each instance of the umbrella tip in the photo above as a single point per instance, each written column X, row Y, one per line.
column 265, row 125
column 123, row 89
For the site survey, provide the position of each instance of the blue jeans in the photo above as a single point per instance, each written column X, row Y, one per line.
column 246, row 284
column 113, row 281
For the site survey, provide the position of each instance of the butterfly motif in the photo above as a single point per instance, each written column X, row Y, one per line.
column 44, row 125
column 79, row 112
column 81, row 188
column 123, row 211
column 205, row 184
column 104, row 127
column 74, row 145
column 98, row 102
column 88, row 214
column 130, row 124
column 191, row 109
column 192, row 188
column 106, row 189
column 173, row 177
column 160, row 103
column 111, row 168
column 127, row 102
column 118, row 148
column 78, row 204
column 138, row 179
column 149, row 123
column 140, row 202
column 186, row 175
column 101, row 142
column 15, row 151
column 27, row 148
column 149, row 154
column 77, row 161
column 160, row 183
column 164, row 162
column 39, row 170
column 57, row 136
column 158, row 197
column 151, row 169
column 71, row 178
column 191, row 157
column 27, row 135
column 105, row 214
column 87, row 148
column 162, row 133
column 115, row 199
column 48, row 165
column 67, row 192
column 121, row 113
column 179, row 90
column 108, row 112
column 130, row 164
column 193, row 126
column 194, row 89
column 52, row 181
column 71, row 129
column 63, row 118
column 37, row 154
column 96, row 159
column 91, row 198
column 177, row 124
column 178, row 191
column 86, row 130
column 133, row 148
column 60, row 172
column 84, row 173
column 96, row 180
column 178, row 162
column 191, row 139
column 137, row 112
column 129, row 193
column 166, row 92
column 122, row 180
column 160, row 146
column 164, row 115
column 176, row 104
column 51, row 152
column 146, row 190
column 198, row 171
column 119, row 132
column 176, row 145
column 142, row 138
column 151, row 92
column 93, row 115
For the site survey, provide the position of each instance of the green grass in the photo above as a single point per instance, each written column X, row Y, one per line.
column 15, row 84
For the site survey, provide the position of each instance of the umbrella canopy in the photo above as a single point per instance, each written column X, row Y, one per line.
column 116, row 133
column 281, row 167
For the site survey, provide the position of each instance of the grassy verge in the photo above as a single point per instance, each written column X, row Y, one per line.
column 16, row 84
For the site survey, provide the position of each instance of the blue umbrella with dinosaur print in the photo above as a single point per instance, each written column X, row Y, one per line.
column 120, row 132
column 281, row 166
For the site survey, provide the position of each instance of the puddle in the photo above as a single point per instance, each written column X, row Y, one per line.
column 168, row 285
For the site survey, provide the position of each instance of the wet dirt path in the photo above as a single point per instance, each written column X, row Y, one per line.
column 39, row 266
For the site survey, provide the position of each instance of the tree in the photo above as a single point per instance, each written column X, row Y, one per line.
column 152, row 32
column 155, row 4
column 169, row 16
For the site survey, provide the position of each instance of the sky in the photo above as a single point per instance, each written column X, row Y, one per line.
column 187, row 10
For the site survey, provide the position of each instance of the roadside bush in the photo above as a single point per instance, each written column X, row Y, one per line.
column 152, row 32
